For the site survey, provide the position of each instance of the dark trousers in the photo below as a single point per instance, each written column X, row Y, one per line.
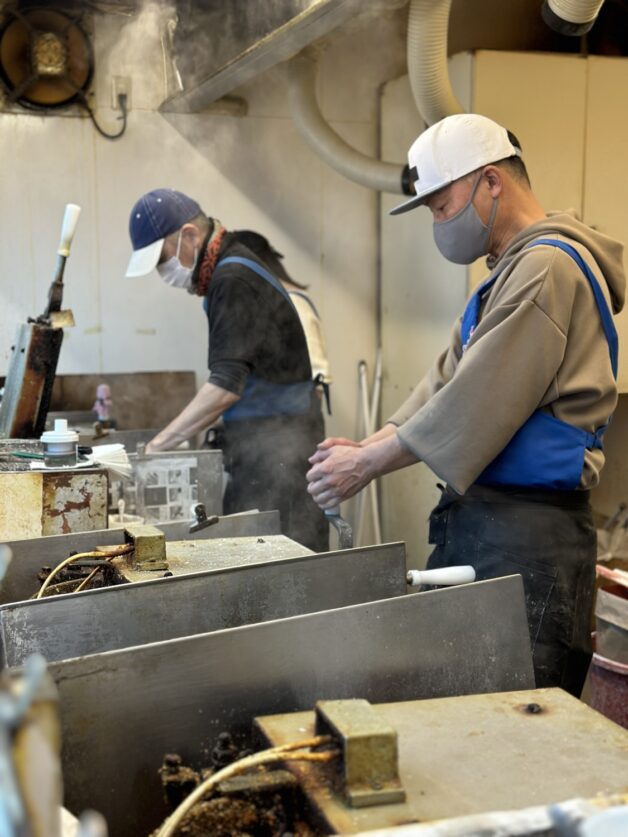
column 549, row 539
column 267, row 460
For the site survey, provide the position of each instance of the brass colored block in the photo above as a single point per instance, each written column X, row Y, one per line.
column 150, row 546
column 369, row 771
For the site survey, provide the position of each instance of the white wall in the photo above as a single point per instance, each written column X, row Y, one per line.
column 251, row 172
column 422, row 294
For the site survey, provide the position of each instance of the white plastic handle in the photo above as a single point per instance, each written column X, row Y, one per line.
column 445, row 576
column 70, row 219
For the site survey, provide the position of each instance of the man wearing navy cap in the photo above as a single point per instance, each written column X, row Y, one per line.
column 512, row 414
column 260, row 379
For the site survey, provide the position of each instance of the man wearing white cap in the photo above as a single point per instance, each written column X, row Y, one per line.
column 260, row 379
column 511, row 415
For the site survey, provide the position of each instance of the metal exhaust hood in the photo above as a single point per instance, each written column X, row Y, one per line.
column 219, row 46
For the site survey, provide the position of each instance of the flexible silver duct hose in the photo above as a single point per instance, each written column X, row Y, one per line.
column 428, row 21
column 571, row 17
column 321, row 137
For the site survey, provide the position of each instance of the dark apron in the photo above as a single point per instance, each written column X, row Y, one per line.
column 549, row 539
column 524, row 516
column 267, row 438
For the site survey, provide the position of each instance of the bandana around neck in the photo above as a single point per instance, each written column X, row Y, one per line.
column 209, row 259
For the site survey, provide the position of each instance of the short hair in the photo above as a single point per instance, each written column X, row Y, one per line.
column 514, row 165
column 201, row 221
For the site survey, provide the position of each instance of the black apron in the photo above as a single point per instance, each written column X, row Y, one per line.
column 549, row 539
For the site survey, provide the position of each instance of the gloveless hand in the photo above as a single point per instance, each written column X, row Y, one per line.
column 338, row 472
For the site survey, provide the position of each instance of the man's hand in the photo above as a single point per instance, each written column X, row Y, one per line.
column 339, row 472
column 323, row 448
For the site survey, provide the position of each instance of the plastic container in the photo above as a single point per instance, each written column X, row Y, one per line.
column 60, row 446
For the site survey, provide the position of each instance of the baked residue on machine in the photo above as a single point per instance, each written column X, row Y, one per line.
column 264, row 803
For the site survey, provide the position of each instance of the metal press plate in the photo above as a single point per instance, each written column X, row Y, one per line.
column 477, row 753
column 31, row 554
column 220, row 553
column 121, row 711
column 224, row 597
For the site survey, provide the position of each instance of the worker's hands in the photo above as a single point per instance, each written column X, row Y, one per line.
column 322, row 447
column 339, row 472
column 341, row 468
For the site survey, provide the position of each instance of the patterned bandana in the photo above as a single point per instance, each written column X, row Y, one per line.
column 209, row 259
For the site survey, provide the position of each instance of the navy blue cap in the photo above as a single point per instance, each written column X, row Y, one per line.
column 156, row 215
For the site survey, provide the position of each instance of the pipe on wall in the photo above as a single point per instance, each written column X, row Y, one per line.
column 325, row 142
column 571, row 17
column 428, row 22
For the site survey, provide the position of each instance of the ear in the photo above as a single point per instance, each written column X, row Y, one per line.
column 191, row 234
column 493, row 177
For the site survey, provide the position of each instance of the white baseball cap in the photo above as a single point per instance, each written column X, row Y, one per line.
column 453, row 147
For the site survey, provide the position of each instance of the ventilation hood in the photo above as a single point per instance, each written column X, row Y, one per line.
column 220, row 46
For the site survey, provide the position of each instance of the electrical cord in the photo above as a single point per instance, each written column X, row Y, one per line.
column 109, row 553
column 283, row 753
column 123, row 110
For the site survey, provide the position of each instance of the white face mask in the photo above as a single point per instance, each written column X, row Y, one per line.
column 174, row 273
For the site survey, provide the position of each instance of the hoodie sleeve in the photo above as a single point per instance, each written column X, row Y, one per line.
column 441, row 372
column 508, row 368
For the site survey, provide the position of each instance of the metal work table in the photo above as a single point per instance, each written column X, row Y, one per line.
column 123, row 710
column 31, row 554
column 472, row 754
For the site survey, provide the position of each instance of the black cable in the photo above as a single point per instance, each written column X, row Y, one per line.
column 101, row 131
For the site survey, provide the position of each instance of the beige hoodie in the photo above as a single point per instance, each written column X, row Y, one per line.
column 538, row 343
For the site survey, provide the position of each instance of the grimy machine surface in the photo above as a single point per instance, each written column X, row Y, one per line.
column 433, row 760
column 254, row 626
column 123, row 710
column 30, row 555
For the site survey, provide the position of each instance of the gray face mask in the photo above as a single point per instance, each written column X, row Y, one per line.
column 464, row 238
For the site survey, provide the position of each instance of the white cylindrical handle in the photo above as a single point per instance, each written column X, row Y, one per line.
column 70, row 219
column 444, row 576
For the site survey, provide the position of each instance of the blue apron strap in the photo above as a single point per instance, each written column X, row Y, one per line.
column 261, row 271
column 471, row 313
column 605, row 314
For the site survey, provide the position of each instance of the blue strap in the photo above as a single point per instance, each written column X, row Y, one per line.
column 471, row 313
column 261, row 271
column 605, row 314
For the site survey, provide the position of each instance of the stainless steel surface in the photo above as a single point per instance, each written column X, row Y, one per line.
column 256, row 37
column 477, row 753
column 136, row 614
column 195, row 556
column 123, row 710
column 32, row 554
